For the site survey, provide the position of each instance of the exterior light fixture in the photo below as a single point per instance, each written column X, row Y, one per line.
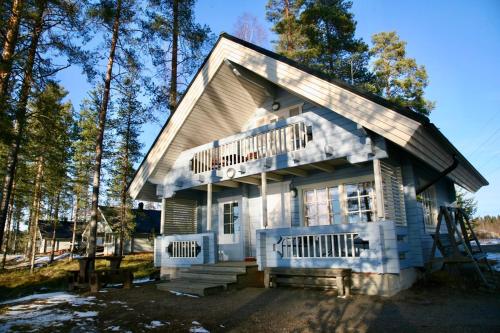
column 230, row 173
column 276, row 106
column 293, row 192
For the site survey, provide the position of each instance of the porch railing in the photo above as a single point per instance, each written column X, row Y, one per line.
column 363, row 247
column 271, row 143
column 341, row 245
column 185, row 250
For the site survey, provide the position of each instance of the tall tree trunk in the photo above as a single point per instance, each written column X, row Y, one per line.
column 75, row 219
column 175, row 50
column 91, row 246
column 36, row 213
column 9, row 46
column 54, row 227
column 123, row 194
column 289, row 43
column 21, row 116
column 9, row 222
column 16, row 233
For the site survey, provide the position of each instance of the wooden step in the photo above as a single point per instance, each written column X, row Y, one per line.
column 198, row 288
column 206, row 276
column 217, row 268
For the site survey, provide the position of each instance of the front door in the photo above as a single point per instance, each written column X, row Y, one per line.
column 278, row 213
column 229, row 220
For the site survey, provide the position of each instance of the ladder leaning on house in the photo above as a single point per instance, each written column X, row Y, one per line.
column 455, row 246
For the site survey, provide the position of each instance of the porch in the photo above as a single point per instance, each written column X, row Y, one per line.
column 362, row 247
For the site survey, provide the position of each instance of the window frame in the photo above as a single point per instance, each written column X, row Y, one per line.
column 429, row 196
column 231, row 215
column 341, row 184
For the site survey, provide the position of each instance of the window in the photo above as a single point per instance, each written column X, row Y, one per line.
column 360, row 203
column 322, row 206
column 231, row 215
column 428, row 200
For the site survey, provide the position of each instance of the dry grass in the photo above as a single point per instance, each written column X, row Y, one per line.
column 486, row 230
column 20, row 282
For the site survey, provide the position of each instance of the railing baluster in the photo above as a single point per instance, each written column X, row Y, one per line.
column 346, row 246
column 353, row 249
column 314, row 246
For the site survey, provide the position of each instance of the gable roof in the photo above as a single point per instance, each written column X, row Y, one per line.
column 146, row 220
column 64, row 229
column 407, row 129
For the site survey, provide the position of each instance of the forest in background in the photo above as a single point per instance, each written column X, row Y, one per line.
column 59, row 161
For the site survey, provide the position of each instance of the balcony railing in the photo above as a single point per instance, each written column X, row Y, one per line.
column 271, row 143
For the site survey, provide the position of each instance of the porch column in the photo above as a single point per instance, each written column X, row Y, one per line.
column 263, row 195
column 163, row 215
column 209, row 207
column 379, row 189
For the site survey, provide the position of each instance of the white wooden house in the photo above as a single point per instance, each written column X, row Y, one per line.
column 265, row 158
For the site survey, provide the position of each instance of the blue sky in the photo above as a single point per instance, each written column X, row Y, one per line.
column 457, row 41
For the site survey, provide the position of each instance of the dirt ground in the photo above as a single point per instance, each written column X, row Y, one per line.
column 144, row 309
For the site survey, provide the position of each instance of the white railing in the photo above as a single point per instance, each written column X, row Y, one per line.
column 184, row 249
column 274, row 142
column 363, row 247
column 320, row 246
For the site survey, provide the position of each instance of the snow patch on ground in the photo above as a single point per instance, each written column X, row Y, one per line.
column 40, row 311
column 495, row 256
column 117, row 302
column 155, row 324
column 197, row 328
column 491, row 241
column 182, row 294
column 143, row 280
column 113, row 328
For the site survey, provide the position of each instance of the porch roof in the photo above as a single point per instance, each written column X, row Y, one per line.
column 218, row 102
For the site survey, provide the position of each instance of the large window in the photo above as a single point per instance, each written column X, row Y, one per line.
column 231, row 215
column 322, row 206
column 360, row 203
column 344, row 203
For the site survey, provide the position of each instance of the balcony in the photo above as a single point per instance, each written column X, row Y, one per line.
column 270, row 143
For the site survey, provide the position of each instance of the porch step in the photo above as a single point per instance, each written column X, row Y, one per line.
column 197, row 288
column 219, row 268
column 205, row 280
column 210, row 276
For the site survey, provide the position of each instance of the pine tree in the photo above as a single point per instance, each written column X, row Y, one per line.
column 83, row 159
column 49, row 151
column 398, row 77
column 49, row 26
column 118, row 20
column 284, row 14
column 129, row 118
column 177, row 45
column 6, row 61
column 321, row 35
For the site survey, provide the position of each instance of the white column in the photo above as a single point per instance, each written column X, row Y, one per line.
column 209, row 207
column 379, row 189
column 263, row 195
column 163, row 215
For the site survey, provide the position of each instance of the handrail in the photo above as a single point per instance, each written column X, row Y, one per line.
column 271, row 143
